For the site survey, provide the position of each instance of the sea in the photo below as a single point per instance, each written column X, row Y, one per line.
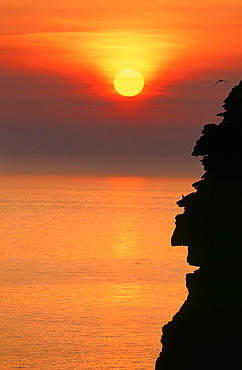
column 88, row 275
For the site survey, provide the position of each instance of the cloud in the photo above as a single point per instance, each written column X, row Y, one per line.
column 95, row 149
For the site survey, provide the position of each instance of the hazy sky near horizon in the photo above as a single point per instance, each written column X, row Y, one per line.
column 59, row 110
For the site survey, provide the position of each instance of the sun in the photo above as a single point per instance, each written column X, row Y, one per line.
column 128, row 82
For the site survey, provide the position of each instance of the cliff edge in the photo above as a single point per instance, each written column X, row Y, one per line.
column 206, row 333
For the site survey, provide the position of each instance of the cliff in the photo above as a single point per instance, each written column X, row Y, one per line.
column 206, row 333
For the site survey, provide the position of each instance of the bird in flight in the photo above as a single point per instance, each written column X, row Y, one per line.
column 220, row 81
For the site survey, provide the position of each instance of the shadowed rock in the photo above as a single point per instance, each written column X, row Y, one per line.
column 206, row 333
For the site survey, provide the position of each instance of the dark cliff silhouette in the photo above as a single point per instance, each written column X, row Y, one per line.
column 206, row 333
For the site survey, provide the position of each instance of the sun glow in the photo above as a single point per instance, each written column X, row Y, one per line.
column 91, row 59
column 128, row 82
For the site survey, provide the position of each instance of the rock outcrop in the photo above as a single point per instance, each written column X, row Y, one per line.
column 206, row 333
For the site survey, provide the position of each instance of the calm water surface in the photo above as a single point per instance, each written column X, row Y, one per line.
column 87, row 273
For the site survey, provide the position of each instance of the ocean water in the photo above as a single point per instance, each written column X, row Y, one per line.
column 87, row 274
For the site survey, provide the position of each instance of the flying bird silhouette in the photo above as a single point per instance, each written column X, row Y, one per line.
column 220, row 81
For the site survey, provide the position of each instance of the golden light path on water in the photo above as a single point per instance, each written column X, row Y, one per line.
column 87, row 272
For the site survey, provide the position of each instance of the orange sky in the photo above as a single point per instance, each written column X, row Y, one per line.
column 58, row 60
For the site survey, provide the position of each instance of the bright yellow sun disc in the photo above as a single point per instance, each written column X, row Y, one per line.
column 128, row 82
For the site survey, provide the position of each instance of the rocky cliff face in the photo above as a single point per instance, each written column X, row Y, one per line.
column 206, row 333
